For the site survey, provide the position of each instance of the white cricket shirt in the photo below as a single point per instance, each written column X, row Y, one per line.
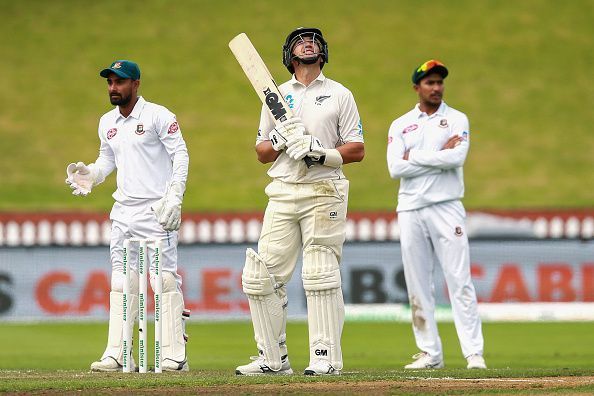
column 147, row 148
column 430, row 175
column 329, row 112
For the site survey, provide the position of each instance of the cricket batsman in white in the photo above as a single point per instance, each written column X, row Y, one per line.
column 143, row 141
column 306, row 211
column 427, row 148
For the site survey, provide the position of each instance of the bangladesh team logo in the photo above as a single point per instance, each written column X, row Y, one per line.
column 174, row 127
column 409, row 128
column 111, row 133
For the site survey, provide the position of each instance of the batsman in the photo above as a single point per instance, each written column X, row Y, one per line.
column 306, row 211
column 143, row 141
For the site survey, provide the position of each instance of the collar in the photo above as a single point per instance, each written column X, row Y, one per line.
column 138, row 108
column 441, row 110
column 321, row 77
column 136, row 111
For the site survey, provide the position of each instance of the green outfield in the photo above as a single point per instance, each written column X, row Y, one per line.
column 55, row 357
column 521, row 70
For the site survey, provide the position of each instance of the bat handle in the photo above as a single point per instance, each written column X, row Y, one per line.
column 309, row 161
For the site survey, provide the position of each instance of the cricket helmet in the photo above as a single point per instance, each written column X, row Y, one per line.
column 294, row 37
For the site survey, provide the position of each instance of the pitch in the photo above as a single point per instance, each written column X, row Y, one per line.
column 534, row 357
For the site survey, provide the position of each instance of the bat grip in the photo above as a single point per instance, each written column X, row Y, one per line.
column 309, row 161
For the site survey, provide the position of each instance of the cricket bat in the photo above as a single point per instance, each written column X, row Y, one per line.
column 256, row 71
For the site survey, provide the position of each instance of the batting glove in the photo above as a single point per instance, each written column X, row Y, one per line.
column 306, row 145
column 285, row 132
column 311, row 147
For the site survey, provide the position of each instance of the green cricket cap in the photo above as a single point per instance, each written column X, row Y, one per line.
column 123, row 68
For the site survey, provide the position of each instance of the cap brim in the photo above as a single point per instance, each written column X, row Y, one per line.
column 105, row 73
column 441, row 70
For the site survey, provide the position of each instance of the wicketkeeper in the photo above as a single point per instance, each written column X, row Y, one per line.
column 306, row 210
column 144, row 142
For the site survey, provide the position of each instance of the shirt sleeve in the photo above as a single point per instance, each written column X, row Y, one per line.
column 449, row 158
column 171, row 136
column 350, row 126
column 266, row 125
column 105, row 162
column 397, row 166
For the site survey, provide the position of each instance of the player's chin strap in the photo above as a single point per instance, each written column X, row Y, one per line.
column 310, row 60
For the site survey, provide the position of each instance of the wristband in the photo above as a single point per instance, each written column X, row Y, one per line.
column 332, row 158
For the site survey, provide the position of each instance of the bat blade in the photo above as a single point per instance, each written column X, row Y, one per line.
column 256, row 71
column 261, row 79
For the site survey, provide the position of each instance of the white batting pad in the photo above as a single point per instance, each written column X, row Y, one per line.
column 174, row 344
column 169, row 283
column 325, row 304
column 266, row 306
column 114, row 347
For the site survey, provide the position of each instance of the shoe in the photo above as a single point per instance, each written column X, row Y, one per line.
column 424, row 361
column 321, row 367
column 172, row 365
column 109, row 364
column 258, row 366
column 476, row 361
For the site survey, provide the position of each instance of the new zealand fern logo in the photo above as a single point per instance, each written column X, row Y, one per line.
column 321, row 98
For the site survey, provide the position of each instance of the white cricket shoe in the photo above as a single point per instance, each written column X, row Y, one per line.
column 476, row 362
column 172, row 365
column 321, row 367
column 258, row 366
column 110, row 364
column 424, row 361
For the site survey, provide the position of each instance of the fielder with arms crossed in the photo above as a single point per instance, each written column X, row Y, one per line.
column 144, row 142
column 306, row 210
column 427, row 148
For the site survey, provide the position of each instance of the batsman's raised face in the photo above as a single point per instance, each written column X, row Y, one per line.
column 121, row 90
column 306, row 46
column 430, row 89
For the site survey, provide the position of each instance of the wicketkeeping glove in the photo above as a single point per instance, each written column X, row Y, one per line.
column 82, row 178
column 168, row 208
column 285, row 132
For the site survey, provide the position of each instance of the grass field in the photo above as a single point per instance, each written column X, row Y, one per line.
column 55, row 357
column 520, row 70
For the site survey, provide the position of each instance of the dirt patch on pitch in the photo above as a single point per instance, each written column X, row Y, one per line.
column 410, row 385
column 413, row 385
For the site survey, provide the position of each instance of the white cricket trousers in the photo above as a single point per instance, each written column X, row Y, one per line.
column 300, row 215
column 139, row 221
column 432, row 234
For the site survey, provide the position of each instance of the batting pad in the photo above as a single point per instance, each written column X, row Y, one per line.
column 169, row 283
column 266, row 307
column 174, row 344
column 325, row 304
column 115, row 334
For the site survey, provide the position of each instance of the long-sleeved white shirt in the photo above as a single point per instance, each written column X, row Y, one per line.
column 147, row 148
column 430, row 175
column 329, row 112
